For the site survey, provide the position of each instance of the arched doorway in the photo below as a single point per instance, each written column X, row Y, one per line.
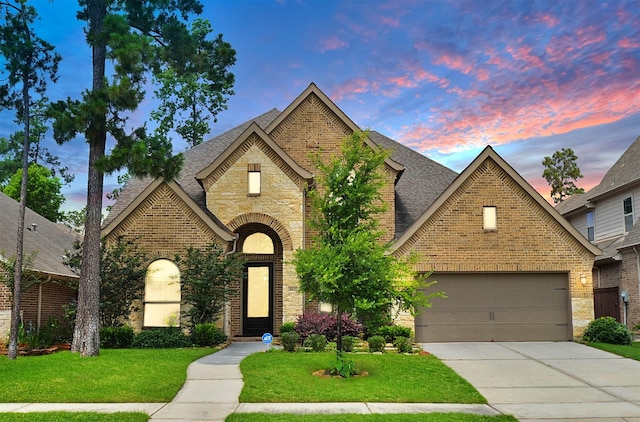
column 261, row 303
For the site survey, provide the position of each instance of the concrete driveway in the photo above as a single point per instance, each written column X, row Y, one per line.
column 546, row 380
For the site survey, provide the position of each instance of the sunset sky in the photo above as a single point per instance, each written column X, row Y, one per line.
column 446, row 78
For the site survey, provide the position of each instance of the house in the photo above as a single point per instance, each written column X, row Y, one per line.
column 47, row 241
column 608, row 216
column 512, row 267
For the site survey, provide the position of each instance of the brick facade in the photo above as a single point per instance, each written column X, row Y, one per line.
column 528, row 239
column 629, row 275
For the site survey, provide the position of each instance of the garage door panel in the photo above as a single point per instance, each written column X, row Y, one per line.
column 497, row 307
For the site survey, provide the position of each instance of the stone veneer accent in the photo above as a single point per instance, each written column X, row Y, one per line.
column 528, row 239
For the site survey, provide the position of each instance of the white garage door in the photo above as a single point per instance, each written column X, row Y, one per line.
column 497, row 307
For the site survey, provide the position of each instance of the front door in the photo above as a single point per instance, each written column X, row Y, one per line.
column 257, row 312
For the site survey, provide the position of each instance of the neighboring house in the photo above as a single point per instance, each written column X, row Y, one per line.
column 48, row 241
column 512, row 267
column 608, row 217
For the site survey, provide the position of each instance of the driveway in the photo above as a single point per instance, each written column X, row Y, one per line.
column 546, row 380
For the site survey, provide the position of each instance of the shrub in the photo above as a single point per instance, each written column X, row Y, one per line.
column 344, row 367
column 326, row 324
column 161, row 338
column 607, row 330
column 287, row 327
column 391, row 332
column 376, row 343
column 317, row 342
column 207, row 335
column 348, row 342
column 116, row 337
column 289, row 340
column 403, row 345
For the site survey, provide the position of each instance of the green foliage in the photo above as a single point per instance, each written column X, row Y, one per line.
column 8, row 268
column 561, row 170
column 207, row 335
column 43, row 191
column 376, row 343
column 607, row 330
column 403, row 344
column 161, row 338
column 348, row 342
column 317, row 342
column 391, row 332
column 207, row 277
column 289, row 340
column 348, row 263
column 287, row 327
column 116, row 337
column 122, row 269
column 344, row 367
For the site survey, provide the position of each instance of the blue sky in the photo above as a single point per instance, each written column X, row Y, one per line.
column 446, row 78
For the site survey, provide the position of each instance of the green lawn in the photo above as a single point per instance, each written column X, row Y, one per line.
column 73, row 417
column 632, row 352
column 116, row 376
column 281, row 377
column 397, row 417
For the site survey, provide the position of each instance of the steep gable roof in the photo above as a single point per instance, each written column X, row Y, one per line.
column 489, row 154
column 254, row 128
column 624, row 173
column 422, row 182
column 195, row 159
column 49, row 239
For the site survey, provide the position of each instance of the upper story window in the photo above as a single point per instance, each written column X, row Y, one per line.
column 258, row 243
column 591, row 225
column 489, row 218
column 254, row 179
column 162, row 294
column 627, row 205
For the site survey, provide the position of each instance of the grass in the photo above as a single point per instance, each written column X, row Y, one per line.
column 396, row 417
column 73, row 417
column 632, row 351
column 282, row 377
column 116, row 376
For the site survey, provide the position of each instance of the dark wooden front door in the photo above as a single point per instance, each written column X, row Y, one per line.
column 257, row 312
column 606, row 302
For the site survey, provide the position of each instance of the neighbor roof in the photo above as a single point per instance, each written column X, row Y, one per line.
column 50, row 240
column 624, row 173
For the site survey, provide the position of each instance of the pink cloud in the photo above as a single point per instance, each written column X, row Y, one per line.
column 628, row 43
column 349, row 88
column 390, row 21
column 332, row 43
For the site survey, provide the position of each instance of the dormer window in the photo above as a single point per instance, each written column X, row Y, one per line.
column 254, row 179
column 591, row 225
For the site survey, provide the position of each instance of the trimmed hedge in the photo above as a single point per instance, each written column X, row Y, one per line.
column 607, row 330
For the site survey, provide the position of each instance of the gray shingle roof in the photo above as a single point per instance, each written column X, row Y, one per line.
column 625, row 171
column 49, row 239
column 421, row 183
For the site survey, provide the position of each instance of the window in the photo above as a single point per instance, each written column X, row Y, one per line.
column 489, row 218
column 258, row 243
column 254, row 179
column 627, row 205
column 590, row 226
column 162, row 294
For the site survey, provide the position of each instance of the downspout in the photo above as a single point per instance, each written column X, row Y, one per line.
column 226, row 323
column 39, row 309
column 637, row 267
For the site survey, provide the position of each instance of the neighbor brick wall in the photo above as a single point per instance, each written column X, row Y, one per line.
column 54, row 295
column 527, row 239
column 629, row 276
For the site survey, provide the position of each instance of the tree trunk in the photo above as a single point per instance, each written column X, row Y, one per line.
column 86, row 335
column 339, row 332
column 17, row 270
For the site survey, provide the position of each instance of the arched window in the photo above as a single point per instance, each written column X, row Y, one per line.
column 162, row 294
column 258, row 243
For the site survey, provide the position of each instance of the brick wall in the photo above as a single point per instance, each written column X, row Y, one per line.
column 527, row 239
column 52, row 296
column 629, row 274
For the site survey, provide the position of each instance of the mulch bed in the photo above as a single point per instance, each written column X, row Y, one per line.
column 25, row 351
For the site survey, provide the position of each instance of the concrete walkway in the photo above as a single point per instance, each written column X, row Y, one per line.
column 550, row 381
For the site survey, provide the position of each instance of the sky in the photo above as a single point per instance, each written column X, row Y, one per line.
column 446, row 78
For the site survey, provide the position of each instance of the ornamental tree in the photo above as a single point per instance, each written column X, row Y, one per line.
column 137, row 39
column 43, row 191
column 348, row 264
